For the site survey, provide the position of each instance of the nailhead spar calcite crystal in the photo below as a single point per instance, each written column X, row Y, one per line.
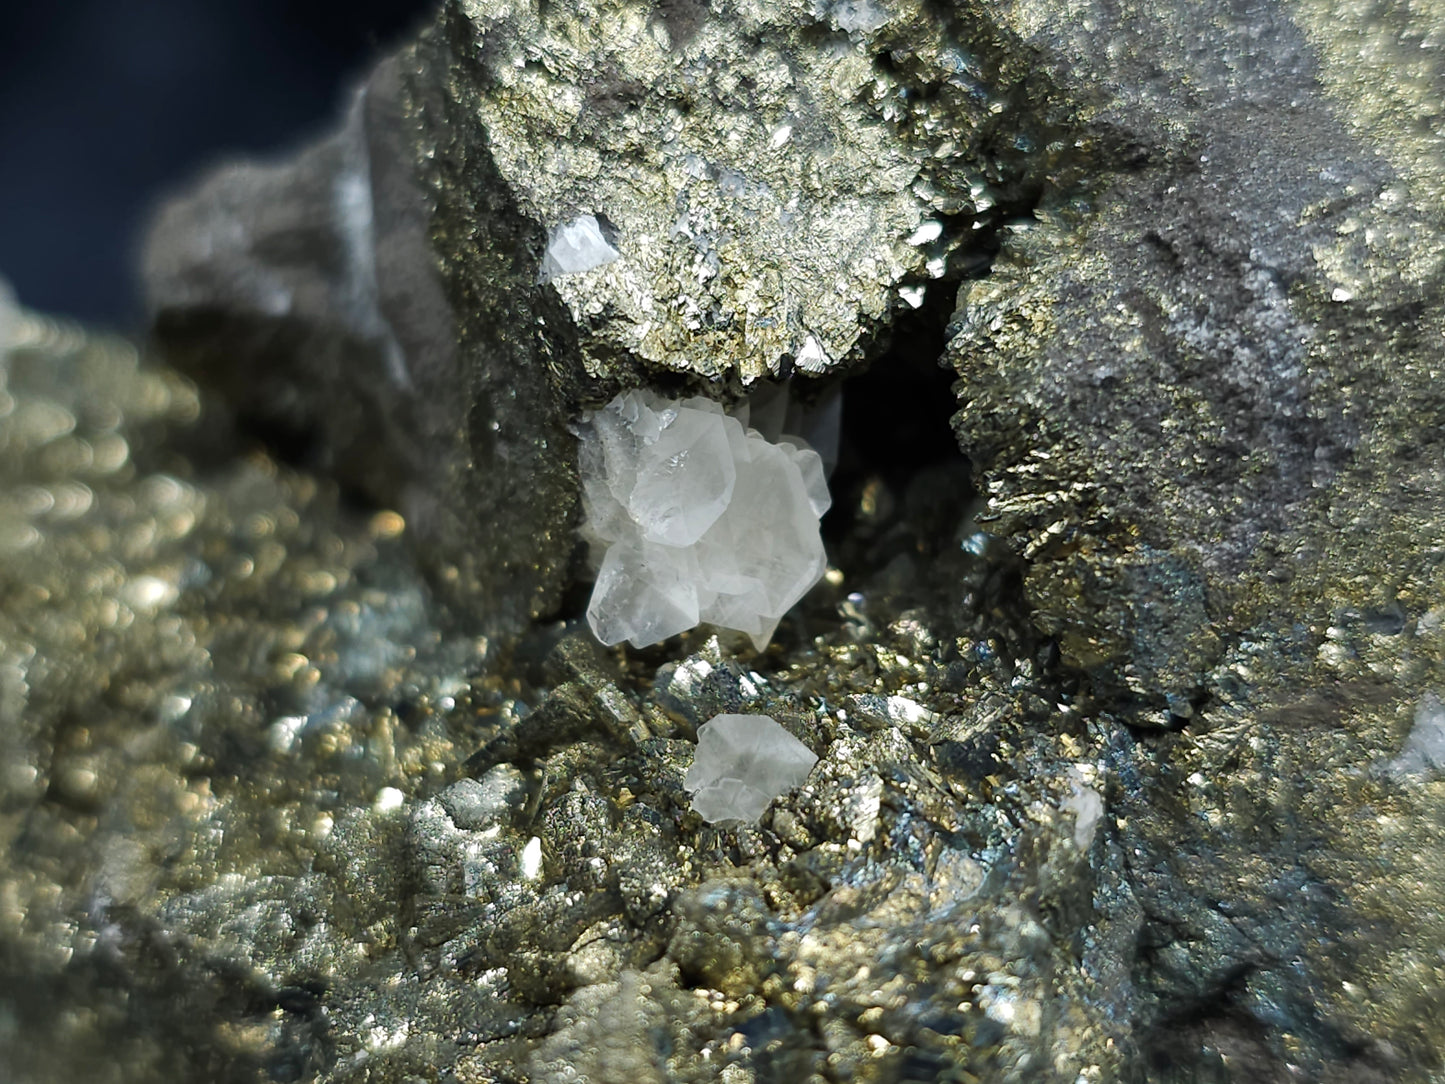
column 698, row 519
column 742, row 763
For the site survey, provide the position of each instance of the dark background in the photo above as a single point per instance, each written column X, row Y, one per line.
column 105, row 107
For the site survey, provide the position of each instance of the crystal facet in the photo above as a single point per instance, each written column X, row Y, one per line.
column 742, row 763
column 575, row 247
column 697, row 518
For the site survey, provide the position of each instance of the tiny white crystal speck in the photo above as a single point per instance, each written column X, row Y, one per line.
column 927, row 232
column 532, row 859
column 575, row 247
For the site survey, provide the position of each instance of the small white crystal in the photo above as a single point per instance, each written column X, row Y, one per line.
column 1424, row 750
column 685, row 479
column 862, row 15
column 575, row 247
column 812, row 358
column 913, row 295
column 1087, row 806
column 477, row 805
column 697, row 518
column 282, row 734
column 643, row 595
column 821, row 427
column 387, row 799
column 742, row 763
column 775, row 414
column 926, row 232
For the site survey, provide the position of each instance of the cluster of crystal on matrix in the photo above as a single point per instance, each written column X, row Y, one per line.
column 742, row 763
column 575, row 247
column 702, row 519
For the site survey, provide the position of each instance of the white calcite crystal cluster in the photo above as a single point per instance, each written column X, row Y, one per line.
column 575, row 247
column 697, row 518
column 742, row 763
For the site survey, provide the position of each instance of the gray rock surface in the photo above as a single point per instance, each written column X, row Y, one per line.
column 1162, row 381
column 310, row 295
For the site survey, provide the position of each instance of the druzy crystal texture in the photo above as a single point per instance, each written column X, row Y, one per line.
column 743, row 762
column 698, row 519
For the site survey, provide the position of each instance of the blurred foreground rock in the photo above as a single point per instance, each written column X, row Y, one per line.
column 1131, row 760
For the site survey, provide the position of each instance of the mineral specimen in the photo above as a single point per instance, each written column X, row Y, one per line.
column 273, row 809
column 742, row 763
column 701, row 519
column 1161, row 397
column 776, row 182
